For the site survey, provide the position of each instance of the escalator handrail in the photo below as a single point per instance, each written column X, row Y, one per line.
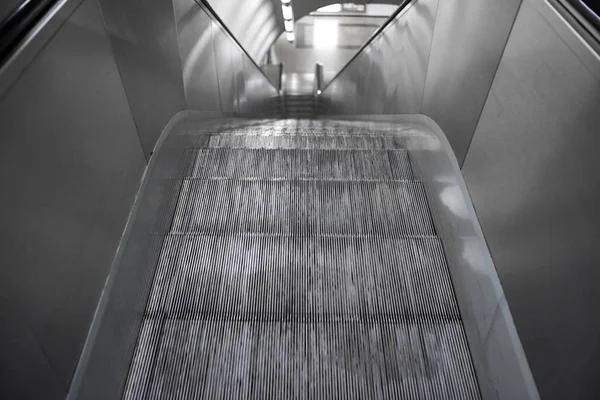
column 375, row 34
column 15, row 27
column 215, row 16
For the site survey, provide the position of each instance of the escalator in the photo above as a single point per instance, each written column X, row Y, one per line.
column 301, row 261
column 180, row 222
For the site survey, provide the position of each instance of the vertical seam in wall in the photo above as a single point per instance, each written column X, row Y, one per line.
column 179, row 53
column 462, row 162
column 212, row 39
column 112, row 50
column 429, row 57
column 235, row 107
column 245, row 94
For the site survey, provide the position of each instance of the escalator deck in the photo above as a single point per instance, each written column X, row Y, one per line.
column 301, row 263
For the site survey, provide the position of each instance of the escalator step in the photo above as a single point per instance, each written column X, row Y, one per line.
column 224, row 207
column 309, row 142
column 317, row 128
column 302, row 164
column 279, row 360
column 322, row 278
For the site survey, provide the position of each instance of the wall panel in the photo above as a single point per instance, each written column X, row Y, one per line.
column 393, row 65
column 468, row 42
column 70, row 165
column 144, row 41
column 532, row 171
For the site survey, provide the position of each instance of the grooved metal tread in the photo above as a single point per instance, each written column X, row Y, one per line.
column 301, row 262
column 315, row 278
column 341, row 129
column 308, row 142
column 390, row 208
column 295, row 360
column 302, row 164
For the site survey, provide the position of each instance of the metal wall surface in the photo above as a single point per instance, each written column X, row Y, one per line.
column 197, row 51
column 144, row 41
column 273, row 72
column 254, row 23
column 389, row 76
column 532, row 171
column 218, row 75
column 223, row 48
column 468, row 42
column 436, row 60
column 70, row 165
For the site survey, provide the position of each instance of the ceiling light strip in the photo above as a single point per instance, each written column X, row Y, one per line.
column 288, row 19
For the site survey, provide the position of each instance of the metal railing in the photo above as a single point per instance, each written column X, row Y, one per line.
column 318, row 85
column 15, row 27
column 212, row 13
column 375, row 34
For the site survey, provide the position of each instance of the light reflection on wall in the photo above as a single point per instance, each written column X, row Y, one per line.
column 325, row 33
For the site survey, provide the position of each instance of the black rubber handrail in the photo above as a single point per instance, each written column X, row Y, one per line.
column 215, row 16
column 15, row 27
column 587, row 13
column 280, row 86
column 375, row 34
column 581, row 18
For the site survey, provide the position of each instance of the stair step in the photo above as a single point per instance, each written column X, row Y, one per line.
column 307, row 142
column 312, row 128
column 387, row 208
column 287, row 360
column 302, row 164
column 325, row 278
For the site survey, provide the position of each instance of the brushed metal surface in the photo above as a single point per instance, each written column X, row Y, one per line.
column 217, row 75
column 274, row 73
column 389, row 76
column 436, row 60
column 197, row 51
column 240, row 101
column 243, row 88
column 468, row 42
column 63, row 205
column 532, row 174
column 254, row 23
column 144, row 41
column 223, row 55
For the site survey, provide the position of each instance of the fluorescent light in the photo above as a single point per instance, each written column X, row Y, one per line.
column 287, row 12
column 333, row 8
column 290, row 36
column 325, row 33
column 289, row 25
column 319, row 92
